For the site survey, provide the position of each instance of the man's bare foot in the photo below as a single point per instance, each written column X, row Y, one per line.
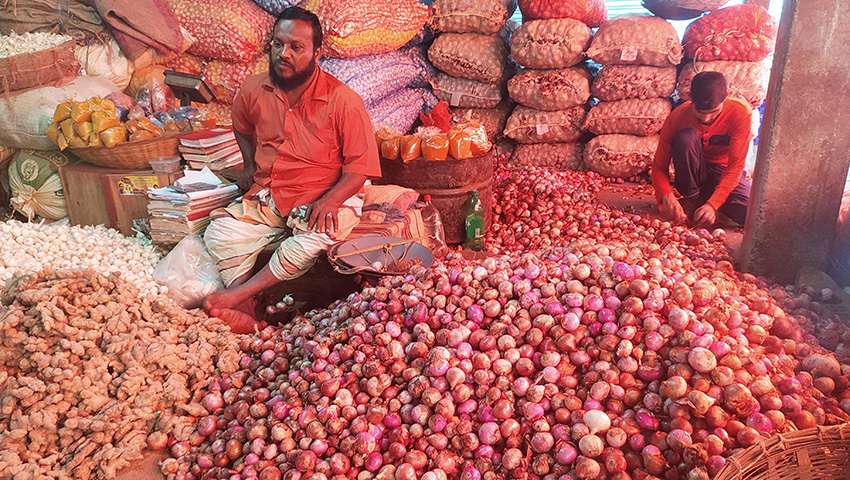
column 238, row 315
column 222, row 299
column 239, row 322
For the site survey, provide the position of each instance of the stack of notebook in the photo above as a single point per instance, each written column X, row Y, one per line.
column 216, row 149
column 184, row 208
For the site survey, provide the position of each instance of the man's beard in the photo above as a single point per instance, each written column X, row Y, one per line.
column 299, row 78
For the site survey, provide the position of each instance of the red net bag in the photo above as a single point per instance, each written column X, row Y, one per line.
column 225, row 78
column 741, row 33
column 354, row 28
column 234, row 31
column 590, row 12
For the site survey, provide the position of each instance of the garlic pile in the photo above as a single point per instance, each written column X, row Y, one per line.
column 28, row 247
column 14, row 44
column 91, row 374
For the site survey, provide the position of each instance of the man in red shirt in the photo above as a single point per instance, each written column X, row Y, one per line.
column 707, row 140
column 308, row 148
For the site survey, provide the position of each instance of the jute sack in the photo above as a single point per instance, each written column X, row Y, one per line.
column 460, row 92
column 620, row 156
column 564, row 156
column 630, row 117
column 551, row 89
column 619, row 82
column 527, row 125
column 636, row 40
column 745, row 80
column 493, row 119
column 471, row 16
column 545, row 44
column 470, row 55
column 36, row 186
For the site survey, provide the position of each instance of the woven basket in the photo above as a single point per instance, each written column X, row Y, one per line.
column 130, row 155
column 820, row 453
column 37, row 69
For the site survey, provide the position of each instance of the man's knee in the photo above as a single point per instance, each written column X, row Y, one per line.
column 686, row 139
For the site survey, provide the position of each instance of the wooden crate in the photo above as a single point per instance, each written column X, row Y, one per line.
column 111, row 197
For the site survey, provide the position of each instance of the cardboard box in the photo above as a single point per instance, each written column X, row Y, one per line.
column 111, row 197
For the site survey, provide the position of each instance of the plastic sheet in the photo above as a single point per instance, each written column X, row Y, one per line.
column 189, row 272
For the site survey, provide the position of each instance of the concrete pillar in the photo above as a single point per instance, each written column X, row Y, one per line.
column 804, row 148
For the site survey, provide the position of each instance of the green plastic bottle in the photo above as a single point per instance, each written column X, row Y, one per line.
column 474, row 215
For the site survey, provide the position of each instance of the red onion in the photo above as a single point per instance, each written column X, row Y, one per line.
column 565, row 453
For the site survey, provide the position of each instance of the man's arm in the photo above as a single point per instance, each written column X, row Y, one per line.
column 668, row 204
column 739, row 145
column 323, row 212
column 359, row 161
column 243, row 128
column 249, row 166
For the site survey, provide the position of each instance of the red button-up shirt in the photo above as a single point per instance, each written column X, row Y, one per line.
column 302, row 150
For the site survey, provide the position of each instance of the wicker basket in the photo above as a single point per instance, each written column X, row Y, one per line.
column 37, row 69
column 130, row 155
column 821, row 453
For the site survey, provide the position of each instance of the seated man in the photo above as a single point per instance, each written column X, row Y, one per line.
column 308, row 149
column 707, row 139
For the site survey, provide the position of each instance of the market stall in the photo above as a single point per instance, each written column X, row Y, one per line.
column 488, row 316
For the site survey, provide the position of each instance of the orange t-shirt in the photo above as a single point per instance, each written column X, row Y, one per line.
column 302, row 150
column 725, row 142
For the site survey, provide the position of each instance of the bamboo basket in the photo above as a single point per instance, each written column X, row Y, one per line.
column 37, row 69
column 820, row 453
column 130, row 155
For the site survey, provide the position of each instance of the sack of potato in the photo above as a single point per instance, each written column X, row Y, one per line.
column 563, row 156
column 551, row 89
column 558, row 43
column 482, row 58
column 630, row 117
column 527, row 125
column 636, row 40
column 620, row 156
column 460, row 92
column 619, row 82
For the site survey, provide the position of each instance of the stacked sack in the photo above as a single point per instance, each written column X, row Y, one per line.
column 231, row 41
column 553, row 87
column 394, row 85
column 471, row 56
column 363, row 47
column 639, row 55
column 734, row 41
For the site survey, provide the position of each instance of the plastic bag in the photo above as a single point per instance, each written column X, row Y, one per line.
column 189, row 272
column 436, row 147
column 391, row 148
column 410, row 148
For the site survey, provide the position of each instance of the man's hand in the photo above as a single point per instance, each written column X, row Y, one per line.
column 245, row 180
column 705, row 216
column 323, row 216
column 671, row 209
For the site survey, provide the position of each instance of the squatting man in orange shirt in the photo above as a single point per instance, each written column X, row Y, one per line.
column 308, row 148
column 707, row 140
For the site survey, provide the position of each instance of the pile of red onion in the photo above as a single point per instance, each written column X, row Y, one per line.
column 614, row 351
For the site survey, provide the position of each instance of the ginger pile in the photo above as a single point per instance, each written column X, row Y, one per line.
column 90, row 369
